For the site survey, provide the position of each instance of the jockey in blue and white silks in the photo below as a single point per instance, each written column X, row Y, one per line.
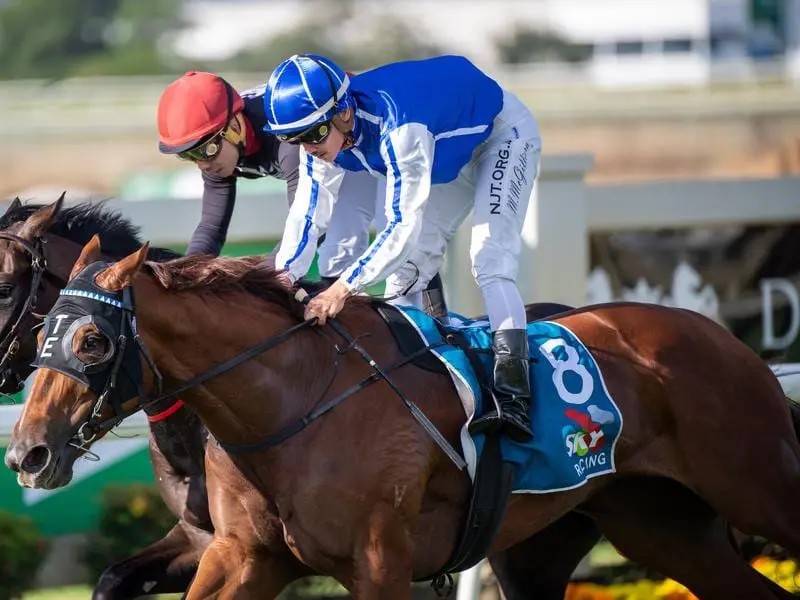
column 447, row 140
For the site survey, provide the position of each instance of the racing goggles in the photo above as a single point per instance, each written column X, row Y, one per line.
column 316, row 134
column 208, row 149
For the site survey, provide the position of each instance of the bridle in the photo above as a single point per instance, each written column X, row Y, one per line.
column 24, row 317
column 117, row 379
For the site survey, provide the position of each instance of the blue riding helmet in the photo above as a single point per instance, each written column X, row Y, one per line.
column 302, row 91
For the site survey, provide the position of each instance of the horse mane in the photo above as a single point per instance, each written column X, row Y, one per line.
column 79, row 222
column 247, row 274
column 223, row 274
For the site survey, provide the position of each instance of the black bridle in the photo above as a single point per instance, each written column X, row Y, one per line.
column 82, row 300
column 80, row 303
column 24, row 317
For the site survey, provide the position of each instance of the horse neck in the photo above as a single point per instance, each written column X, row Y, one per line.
column 188, row 333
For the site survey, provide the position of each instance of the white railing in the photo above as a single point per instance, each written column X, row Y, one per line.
column 564, row 210
column 562, row 213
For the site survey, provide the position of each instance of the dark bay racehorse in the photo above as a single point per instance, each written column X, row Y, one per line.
column 177, row 443
column 364, row 495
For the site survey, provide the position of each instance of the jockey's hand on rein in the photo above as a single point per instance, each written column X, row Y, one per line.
column 328, row 303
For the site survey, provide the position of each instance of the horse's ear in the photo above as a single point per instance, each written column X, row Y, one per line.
column 122, row 272
column 39, row 222
column 15, row 205
column 89, row 254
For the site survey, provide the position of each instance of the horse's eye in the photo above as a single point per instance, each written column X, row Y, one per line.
column 93, row 341
column 6, row 290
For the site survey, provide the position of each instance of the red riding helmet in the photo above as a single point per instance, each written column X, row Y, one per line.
column 193, row 107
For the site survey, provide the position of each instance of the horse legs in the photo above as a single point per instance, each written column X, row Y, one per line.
column 540, row 567
column 382, row 564
column 676, row 533
column 230, row 570
column 166, row 566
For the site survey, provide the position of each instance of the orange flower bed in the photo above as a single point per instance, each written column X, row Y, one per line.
column 785, row 573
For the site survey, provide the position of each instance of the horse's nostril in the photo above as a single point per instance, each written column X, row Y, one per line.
column 11, row 462
column 35, row 460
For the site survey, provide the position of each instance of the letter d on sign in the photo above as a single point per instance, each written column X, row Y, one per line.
column 769, row 339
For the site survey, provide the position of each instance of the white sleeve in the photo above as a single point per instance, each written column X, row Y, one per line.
column 317, row 190
column 408, row 154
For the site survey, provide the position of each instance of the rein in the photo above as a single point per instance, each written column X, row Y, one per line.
column 90, row 430
column 290, row 430
column 421, row 418
column 237, row 360
column 114, row 314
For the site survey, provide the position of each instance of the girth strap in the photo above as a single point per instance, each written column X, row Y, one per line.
column 490, row 490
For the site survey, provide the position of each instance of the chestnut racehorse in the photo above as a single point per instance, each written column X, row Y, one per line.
column 363, row 494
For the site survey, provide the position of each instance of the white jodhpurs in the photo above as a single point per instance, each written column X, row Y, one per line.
column 496, row 185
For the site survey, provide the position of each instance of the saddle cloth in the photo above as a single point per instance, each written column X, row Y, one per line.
column 576, row 423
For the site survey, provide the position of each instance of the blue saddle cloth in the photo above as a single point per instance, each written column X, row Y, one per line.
column 575, row 422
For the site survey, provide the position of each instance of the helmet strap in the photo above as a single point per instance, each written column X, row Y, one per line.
column 237, row 138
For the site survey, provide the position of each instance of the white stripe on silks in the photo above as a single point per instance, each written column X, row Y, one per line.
column 460, row 131
column 368, row 116
column 309, row 120
column 360, row 156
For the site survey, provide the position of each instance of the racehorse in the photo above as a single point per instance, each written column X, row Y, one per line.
column 39, row 246
column 364, row 494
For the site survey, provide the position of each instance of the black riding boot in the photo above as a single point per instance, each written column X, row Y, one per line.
column 511, row 388
column 433, row 299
